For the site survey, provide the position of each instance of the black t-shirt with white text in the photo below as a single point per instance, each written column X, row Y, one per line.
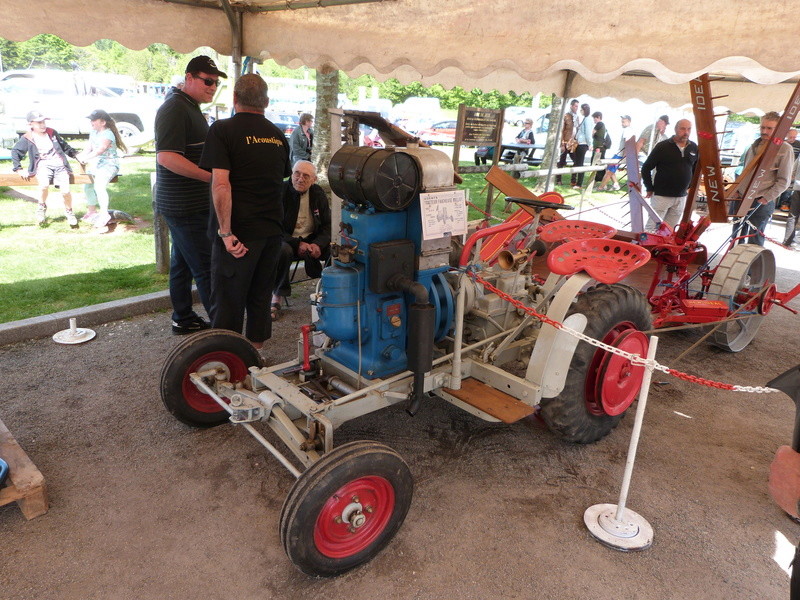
column 257, row 155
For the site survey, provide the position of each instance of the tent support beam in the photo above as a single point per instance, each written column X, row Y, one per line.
column 286, row 5
column 235, row 22
column 557, row 142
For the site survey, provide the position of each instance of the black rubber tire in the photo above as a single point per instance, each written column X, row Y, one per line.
column 180, row 396
column 315, row 489
column 605, row 306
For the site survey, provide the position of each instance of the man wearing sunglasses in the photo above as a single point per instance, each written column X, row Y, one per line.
column 182, row 190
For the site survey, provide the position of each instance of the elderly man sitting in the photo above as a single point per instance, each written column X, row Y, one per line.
column 306, row 228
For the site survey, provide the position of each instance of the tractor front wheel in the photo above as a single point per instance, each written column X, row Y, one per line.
column 229, row 353
column 345, row 508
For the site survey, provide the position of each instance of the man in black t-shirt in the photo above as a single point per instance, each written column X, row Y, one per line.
column 181, row 191
column 249, row 158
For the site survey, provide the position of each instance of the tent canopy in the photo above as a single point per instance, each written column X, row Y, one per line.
column 644, row 49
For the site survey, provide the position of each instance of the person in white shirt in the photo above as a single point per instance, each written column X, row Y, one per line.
column 584, row 138
column 611, row 170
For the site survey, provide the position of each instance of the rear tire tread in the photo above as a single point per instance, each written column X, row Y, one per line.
column 604, row 306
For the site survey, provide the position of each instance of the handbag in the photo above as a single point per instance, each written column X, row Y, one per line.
column 572, row 145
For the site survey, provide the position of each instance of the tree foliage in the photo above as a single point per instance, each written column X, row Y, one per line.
column 397, row 92
column 157, row 62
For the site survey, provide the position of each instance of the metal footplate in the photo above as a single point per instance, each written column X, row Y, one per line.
column 491, row 401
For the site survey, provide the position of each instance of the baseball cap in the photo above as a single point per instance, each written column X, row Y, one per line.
column 99, row 114
column 204, row 64
column 35, row 115
column 664, row 118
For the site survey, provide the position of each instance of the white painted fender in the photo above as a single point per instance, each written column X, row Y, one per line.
column 552, row 354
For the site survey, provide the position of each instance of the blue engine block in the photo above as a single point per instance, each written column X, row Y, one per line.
column 370, row 329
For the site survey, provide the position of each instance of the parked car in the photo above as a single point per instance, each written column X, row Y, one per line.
column 516, row 115
column 67, row 97
column 443, row 132
column 286, row 122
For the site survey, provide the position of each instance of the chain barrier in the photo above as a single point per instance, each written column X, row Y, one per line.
column 633, row 358
column 764, row 235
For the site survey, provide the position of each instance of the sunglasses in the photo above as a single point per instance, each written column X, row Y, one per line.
column 207, row 80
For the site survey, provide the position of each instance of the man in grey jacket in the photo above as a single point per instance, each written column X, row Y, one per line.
column 794, row 205
column 774, row 180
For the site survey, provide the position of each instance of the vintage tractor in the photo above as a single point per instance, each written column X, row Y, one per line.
column 400, row 321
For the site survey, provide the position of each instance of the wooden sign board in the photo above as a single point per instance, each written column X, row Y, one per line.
column 477, row 127
column 480, row 126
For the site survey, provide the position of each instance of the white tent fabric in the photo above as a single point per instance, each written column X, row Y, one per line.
column 520, row 45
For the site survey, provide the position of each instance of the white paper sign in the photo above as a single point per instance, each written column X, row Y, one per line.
column 443, row 213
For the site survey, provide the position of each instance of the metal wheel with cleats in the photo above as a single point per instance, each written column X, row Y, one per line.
column 345, row 508
column 229, row 353
column 742, row 274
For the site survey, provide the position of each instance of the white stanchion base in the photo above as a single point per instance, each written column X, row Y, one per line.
column 631, row 533
column 76, row 336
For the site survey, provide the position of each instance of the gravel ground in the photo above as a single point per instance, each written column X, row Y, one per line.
column 144, row 507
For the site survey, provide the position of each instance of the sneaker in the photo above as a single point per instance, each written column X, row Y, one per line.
column 89, row 217
column 615, row 187
column 193, row 325
column 101, row 219
column 41, row 215
column 72, row 220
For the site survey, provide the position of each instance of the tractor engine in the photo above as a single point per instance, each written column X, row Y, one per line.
column 385, row 300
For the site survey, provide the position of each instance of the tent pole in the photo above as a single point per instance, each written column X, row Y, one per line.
column 235, row 22
column 557, row 142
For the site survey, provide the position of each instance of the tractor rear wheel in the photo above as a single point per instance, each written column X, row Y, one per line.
column 229, row 353
column 742, row 274
column 600, row 386
column 345, row 508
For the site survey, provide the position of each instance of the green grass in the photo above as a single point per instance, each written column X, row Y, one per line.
column 476, row 184
column 45, row 270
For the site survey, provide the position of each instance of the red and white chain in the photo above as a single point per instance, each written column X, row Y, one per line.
column 633, row 358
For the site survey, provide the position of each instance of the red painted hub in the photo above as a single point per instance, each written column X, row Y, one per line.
column 237, row 371
column 768, row 296
column 354, row 516
column 612, row 382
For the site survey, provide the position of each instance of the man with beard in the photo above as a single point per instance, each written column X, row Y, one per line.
column 674, row 161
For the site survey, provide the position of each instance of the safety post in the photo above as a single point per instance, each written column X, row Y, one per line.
column 611, row 524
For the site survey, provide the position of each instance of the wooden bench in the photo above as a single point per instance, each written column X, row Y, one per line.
column 25, row 483
column 14, row 179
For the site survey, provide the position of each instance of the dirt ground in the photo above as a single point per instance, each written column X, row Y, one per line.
column 144, row 507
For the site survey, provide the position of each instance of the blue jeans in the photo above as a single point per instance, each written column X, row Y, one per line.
column 759, row 218
column 191, row 259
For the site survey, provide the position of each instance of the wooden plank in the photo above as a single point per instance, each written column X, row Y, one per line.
column 708, row 162
column 491, row 401
column 27, row 487
column 15, row 180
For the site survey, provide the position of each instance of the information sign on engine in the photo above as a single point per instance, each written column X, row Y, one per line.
column 443, row 213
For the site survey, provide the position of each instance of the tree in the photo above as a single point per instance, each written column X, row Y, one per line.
column 327, row 94
column 42, row 51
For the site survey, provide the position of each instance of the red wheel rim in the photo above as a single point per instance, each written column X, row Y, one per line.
column 354, row 516
column 619, row 380
column 197, row 400
column 767, row 298
column 597, row 391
